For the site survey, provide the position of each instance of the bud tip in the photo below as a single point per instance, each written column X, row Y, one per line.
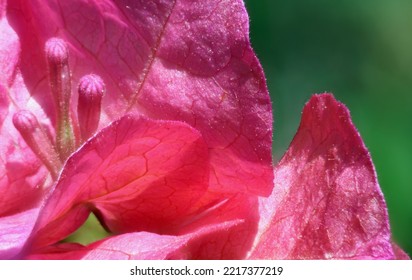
column 56, row 50
column 91, row 86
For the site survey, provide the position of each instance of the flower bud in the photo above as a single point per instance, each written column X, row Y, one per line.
column 38, row 141
column 57, row 55
column 91, row 90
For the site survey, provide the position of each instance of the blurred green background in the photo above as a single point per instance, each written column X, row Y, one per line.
column 362, row 52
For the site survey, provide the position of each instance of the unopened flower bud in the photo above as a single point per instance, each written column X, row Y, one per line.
column 38, row 141
column 91, row 90
column 56, row 51
column 57, row 55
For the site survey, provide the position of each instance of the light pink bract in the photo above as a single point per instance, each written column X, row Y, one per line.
column 167, row 140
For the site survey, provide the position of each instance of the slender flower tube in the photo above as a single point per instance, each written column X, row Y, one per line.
column 60, row 85
column 91, row 90
column 39, row 142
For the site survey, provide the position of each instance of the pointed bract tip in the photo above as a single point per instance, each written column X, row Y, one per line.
column 56, row 50
column 322, row 99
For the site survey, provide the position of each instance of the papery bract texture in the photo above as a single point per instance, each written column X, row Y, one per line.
column 172, row 148
column 136, row 173
column 14, row 230
column 22, row 176
column 21, row 173
column 189, row 61
column 223, row 231
column 326, row 202
column 209, row 242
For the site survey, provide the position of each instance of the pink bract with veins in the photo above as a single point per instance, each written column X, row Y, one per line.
column 155, row 116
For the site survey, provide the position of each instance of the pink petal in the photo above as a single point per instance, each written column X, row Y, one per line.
column 9, row 50
column 136, row 174
column 240, row 237
column 327, row 203
column 22, row 175
column 175, row 60
column 14, row 231
column 207, row 243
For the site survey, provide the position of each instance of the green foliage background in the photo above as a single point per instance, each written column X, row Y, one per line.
column 362, row 52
